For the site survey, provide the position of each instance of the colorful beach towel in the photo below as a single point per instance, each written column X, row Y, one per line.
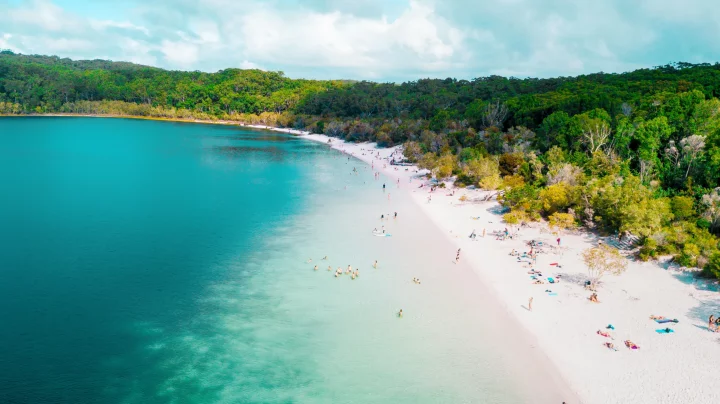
column 665, row 331
column 666, row 320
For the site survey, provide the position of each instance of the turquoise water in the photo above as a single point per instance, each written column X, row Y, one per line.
column 153, row 262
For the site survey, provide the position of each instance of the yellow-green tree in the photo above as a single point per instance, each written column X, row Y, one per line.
column 603, row 260
column 555, row 198
column 561, row 221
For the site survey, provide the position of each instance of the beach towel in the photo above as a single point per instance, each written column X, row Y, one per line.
column 666, row 321
column 552, row 294
column 665, row 331
column 553, row 263
column 610, row 327
column 551, row 280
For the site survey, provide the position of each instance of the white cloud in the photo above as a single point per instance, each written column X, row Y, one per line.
column 246, row 64
column 180, row 53
column 377, row 39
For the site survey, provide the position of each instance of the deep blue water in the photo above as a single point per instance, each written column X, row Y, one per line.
column 106, row 225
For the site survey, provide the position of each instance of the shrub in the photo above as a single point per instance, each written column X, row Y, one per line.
column 561, row 221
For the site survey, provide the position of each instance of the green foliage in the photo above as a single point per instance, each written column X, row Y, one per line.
column 682, row 207
column 636, row 152
column 561, row 221
column 555, row 198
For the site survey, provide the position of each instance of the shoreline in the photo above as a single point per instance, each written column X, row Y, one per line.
column 673, row 368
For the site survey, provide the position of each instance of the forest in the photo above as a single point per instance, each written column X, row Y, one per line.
column 635, row 154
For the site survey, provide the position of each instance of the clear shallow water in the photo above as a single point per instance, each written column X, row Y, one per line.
column 150, row 262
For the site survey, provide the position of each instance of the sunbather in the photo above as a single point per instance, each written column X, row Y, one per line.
column 593, row 298
column 654, row 317
column 605, row 334
column 631, row 344
column 610, row 345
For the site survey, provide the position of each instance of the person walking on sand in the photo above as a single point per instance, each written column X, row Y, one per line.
column 530, row 304
column 457, row 257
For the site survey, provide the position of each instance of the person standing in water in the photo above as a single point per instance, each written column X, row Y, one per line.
column 375, row 264
column 395, row 215
column 383, row 187
column 400, row 313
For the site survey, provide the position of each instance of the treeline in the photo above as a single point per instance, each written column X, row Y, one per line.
column 636, row 153
column 44, row 83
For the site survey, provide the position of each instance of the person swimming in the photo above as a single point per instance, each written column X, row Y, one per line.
column 316, row 268
column 329, row 267
column 400, row 313
column 325, row 258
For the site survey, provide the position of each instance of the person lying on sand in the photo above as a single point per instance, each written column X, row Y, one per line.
column 631, row 344
column 605, row 334
column 593, row 298
column 610, row 345
column 538, row 282
column 654, row 317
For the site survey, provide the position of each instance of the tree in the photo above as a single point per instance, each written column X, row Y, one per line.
column 561, row 221
column 711, row 203
column 682, row 207
column 412, row 151
column 495, row 115
column 596, row 135
column 555, row 198
column 603, row 260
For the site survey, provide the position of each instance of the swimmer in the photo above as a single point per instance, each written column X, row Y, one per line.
column 400, row 313
column 375, row 264
column 309, row 260
column 329, row 267
column 325, row 258
column 315, row 268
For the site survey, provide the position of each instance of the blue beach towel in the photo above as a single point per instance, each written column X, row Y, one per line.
column 551, row 280
column 666, row 321
column 665, row 331
column 552, row 294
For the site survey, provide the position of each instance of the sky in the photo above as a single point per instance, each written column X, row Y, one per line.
column 379, row 40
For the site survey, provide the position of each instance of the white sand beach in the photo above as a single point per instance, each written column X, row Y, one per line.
column 667, row 368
